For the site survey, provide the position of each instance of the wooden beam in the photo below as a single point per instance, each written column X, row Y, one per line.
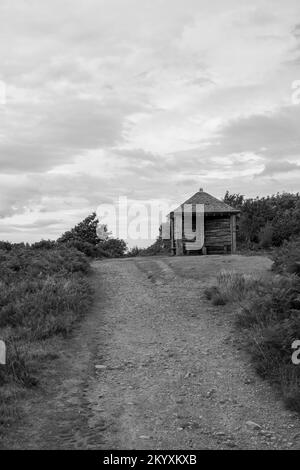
column 233, row 232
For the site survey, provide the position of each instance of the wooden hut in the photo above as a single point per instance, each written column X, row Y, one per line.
column 210, row 231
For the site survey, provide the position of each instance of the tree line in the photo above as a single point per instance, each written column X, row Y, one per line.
column 266, row 222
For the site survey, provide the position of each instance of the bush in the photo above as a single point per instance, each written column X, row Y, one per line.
column 135, row 251
column 44, row 245
column 114, row 247
column 84, row 247
column 265, row 236
column 270, row 302
column 287, row 257
column 43, row 292
column 159, row 247
column 5, row 246
column 266, row 221
column 83, row 237
column 85, row 231
column 269, row 316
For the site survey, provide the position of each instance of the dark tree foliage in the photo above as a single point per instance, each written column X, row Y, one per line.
column 159, row 247
column 234, row 200
column 114, row 247
column 44, row 245
column 5, row 246
column 287, row 257
column 85, row 231
column 133, row 252
column 84, row 238
column 267, row 221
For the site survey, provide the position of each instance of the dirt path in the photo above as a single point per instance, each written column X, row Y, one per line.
column 155, row 365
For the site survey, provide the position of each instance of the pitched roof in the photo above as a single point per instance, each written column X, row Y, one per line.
column 211, row 204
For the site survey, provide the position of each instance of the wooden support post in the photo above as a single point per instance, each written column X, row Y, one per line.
column 173, row 247
column 233, row 233
column 179, row 247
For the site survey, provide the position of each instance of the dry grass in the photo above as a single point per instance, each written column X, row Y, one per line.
column 231, row 287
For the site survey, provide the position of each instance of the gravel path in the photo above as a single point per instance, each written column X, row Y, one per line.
column 156, row 366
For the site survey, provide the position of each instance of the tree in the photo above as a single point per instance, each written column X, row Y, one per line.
column 84, row 238
column 234, row 200
column 135, row 251
column 268, row 220
column 44, row 245
column 85, row 231
column 265, row 235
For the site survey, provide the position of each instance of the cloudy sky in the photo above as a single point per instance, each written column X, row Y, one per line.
column 144, row 99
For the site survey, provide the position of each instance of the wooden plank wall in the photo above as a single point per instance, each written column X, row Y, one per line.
column 217, row 234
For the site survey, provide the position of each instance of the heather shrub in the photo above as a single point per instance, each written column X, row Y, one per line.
column 44, row 291
column 115, row 247
column 44, row 245
column 287, row 257
column 271, row 301
column 268, row 315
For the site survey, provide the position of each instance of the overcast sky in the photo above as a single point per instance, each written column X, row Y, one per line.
column 148, row 99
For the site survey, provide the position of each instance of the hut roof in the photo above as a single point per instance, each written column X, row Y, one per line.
column 211, row 204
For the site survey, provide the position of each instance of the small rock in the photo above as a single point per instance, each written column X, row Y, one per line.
column 266, row 434
column 252, row 425
column 248, row 381
column 230, row 444
column 144, row 437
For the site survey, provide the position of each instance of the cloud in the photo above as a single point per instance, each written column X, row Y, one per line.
column 145, row 99
column 275, row 168
column 273, row 134
column 61, row 130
